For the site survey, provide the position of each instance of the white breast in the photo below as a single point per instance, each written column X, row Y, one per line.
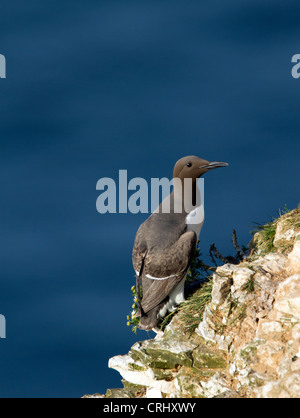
column 195, row 220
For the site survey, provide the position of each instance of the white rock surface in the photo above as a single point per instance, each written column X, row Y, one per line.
column 144, row 378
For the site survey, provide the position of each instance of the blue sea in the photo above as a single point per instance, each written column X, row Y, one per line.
column 94, row 87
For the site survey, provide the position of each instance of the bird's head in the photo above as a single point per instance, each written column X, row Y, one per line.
column 194, row 167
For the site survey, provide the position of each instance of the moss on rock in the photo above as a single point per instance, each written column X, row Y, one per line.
column 203, row 358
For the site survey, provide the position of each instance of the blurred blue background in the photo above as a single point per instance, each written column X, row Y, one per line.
column 97, row 86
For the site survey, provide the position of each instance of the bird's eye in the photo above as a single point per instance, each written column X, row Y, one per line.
column 189, row 165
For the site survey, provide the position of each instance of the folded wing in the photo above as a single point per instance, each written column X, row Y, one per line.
column 161, row 272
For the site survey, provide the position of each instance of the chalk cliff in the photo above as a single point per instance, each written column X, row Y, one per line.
column 243, row 342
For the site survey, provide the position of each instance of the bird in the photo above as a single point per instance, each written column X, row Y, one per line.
column 165, row 243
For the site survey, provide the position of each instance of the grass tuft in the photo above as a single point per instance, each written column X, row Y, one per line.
column 267, row 232
column 191, row 311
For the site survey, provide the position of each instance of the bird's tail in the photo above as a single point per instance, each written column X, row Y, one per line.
column 150, row 319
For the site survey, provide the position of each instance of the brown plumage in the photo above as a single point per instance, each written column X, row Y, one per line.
column 164, row 246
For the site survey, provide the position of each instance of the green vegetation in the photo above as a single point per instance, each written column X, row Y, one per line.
column 132, row 319
column 264, row 235
column 267, row 235
column 293, row 218
column 191, row 311
column 249, row 286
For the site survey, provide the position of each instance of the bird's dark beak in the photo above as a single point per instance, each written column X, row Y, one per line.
column 214, row 164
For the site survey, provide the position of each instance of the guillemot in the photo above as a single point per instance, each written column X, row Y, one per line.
column 165, row 243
